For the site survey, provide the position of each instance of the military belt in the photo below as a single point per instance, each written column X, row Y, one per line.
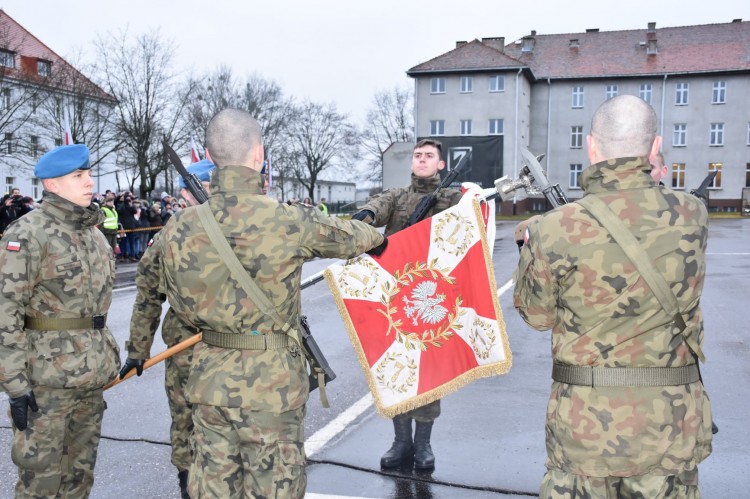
column 624, row 376
column 271, row 341
column 62, row 324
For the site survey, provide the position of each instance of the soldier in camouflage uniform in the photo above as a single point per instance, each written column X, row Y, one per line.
column 248, row 381
column 392, row 208
column 625, row 438
column 143, row 324
column 56, row 352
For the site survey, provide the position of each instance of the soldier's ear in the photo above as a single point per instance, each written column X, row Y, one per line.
column 655, row 147
column 441, row 165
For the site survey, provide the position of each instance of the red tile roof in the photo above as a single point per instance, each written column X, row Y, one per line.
column 29, row 49
column 685, row 49
column 471, row 56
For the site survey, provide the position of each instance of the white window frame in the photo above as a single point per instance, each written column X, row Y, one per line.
column 35, row 185
column 10, row 182
column 7, row 59
column 9, row 149
column 495, row 126
column 576, row 137
column 611, row 92
column 34, row 146
column 747, row 174
column 719, row 92
column 577, row 97
column 497, row 83
column 716, row 135
column 679, row 135
column 716, row 182
column 681, row 94
column 437, row 85
column 465, row 127
column 646, row 92
column 6, row 94
column 678, row 175
column 43, row 68
column 574, row 175
column 437, row 128
column 467, row 84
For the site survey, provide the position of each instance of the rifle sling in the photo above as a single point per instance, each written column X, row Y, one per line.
column 635, row 252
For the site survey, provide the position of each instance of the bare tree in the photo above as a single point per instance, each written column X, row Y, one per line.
column 152, row 103
column 390, row 119
column 320, row 139
column 214, row 91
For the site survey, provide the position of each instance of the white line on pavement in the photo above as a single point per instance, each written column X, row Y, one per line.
column 321, row 437
column 311, row 495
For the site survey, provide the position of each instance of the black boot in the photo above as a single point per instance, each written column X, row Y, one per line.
column 182, row 476
column 424, row 459
column 402, row 447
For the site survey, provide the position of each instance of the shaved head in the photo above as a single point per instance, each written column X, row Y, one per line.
column 624, row 126
column 233, row 138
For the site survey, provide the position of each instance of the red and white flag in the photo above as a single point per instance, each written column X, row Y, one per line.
column 68, row 137
column 424, row 317
column 194, row 156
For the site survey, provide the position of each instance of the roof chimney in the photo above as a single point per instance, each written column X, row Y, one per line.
column 496, row 42
column 651, row 27
column 592, row 30
column 528, row 43
column 460, row 43
column 574, row 43
column 738, row 20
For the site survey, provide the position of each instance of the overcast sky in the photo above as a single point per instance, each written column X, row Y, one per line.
column 339, row 51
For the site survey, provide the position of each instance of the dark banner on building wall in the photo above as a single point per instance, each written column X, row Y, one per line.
column 486, row 158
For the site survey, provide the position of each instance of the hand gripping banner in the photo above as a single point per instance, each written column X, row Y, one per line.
column 424, row 317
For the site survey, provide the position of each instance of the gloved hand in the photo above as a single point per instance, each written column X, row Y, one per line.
column 130, row 364
column 363, row 215
column 19, row 407
column 520, row 232
column 379, row 249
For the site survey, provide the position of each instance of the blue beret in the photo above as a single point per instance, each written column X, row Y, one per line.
column 202, row 169
column 63, row 160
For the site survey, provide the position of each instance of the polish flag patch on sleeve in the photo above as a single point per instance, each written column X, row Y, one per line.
column 13, row 246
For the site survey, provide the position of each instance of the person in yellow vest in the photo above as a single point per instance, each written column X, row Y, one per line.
column 322, row 206
column 109, row 226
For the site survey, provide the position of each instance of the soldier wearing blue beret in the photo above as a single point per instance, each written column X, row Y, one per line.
column 56, row 351
column 202, row 169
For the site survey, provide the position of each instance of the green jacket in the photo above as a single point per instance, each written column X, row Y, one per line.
column 574, row 279
column 393, row 207
column 272, row 240
column 63, row 268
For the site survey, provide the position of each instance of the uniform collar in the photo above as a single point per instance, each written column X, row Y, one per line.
column 617, row 174
column 232, row 178
column 67, row 211
column 425, row 184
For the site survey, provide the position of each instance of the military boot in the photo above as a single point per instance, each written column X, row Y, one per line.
column 403, row 447
column 424, row 459
column 182, row 476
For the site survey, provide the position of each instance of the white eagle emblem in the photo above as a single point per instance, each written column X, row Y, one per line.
column 423, row 305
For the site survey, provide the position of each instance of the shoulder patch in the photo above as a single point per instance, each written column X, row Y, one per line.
column 13, row 246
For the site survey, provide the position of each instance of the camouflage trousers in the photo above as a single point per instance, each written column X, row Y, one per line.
column 561, row 485
column 177, row 370
column 425, row 414
column 56, row 454
column 243, row 453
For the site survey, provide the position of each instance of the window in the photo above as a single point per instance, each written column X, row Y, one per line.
column 715, row 167
column 58, row 142
column 678, row 175
column 35, row 188
column 6, row 98
column 611, row 92
column 681, row 94
column 497, row 83
column 437, row 86
column 719, row 94
column 495, row 127
column 467, row 84
column 645, row 92
column 577, row 97
column 437, row 127
column 716, row 136
column 575, row 173
column 576, row 137
column 747, row 174
column 9, row 143
column 43, row 68
column 34, row 146
column 465, row 127
column 7, row 58
column 9, row 182
column 679, row 135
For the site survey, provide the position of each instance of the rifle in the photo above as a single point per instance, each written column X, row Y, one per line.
column 318, row 363
column 194, row 185
column 702, row 191
column 428, row 202
column 531, row 172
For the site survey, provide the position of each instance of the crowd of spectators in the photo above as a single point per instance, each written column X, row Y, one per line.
column 13, row 206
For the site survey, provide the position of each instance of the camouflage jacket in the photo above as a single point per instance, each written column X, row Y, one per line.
column 573, row 278
column 63, row 268
column 393, row 207
column 272, row 240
